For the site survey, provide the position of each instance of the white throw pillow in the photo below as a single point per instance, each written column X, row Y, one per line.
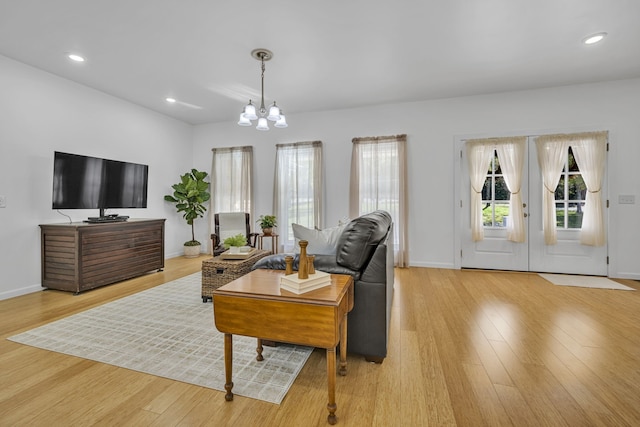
column 321, row 242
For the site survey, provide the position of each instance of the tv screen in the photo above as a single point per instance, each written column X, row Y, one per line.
column 83, row 182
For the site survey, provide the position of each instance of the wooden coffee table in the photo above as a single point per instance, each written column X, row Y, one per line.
column 254, row 305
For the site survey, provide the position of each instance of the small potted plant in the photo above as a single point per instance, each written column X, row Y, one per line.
column 234, row 243
column 190, row 196
column 267, row 222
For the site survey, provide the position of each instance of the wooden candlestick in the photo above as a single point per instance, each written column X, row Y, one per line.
column 303, row 264
column 312, row 268
column 289, row 265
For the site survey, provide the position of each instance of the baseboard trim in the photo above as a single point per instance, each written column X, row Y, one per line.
column 19, row 292
column 447, row 266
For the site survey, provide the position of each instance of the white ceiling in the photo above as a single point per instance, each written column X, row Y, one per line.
column 328, row 55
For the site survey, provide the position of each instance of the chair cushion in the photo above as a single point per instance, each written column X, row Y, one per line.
column 321, row 242
column 360, row 237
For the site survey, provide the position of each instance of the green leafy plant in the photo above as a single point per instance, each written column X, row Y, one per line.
column 237, row 240
column 267, row 221
column 190, row 196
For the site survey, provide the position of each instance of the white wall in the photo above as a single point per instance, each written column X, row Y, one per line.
column 41, row 113
column 431, row 127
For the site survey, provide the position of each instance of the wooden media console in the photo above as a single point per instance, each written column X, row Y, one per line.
column 79, row 256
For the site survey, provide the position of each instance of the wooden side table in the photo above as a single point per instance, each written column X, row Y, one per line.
column 274, row 241
column 254, row 305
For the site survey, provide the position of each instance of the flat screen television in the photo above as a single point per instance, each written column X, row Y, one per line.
column 83, row 182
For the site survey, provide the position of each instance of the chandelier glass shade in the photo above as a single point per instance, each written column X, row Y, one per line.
column 249, row 112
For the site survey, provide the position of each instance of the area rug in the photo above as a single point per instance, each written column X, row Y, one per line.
column 169, row 332
column 584, row 281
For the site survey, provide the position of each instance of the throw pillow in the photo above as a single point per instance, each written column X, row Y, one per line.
column 321, row 242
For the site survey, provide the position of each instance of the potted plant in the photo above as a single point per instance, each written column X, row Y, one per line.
column 235, row 242
column 267, row 222
column 190, row 196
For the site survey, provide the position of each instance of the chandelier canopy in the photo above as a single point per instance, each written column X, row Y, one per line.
column 249, row 111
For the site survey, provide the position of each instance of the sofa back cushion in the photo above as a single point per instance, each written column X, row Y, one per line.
column 360, row 237
column 321, row 242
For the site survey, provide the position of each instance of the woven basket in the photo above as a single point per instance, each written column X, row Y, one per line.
column 217, row 272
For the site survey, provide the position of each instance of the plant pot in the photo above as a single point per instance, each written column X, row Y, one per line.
column 234, row 249
column 267, row 231
column 191, row 251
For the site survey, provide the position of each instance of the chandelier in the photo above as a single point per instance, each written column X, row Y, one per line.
column 249, row 111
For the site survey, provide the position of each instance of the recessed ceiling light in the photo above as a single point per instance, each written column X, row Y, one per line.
column 75, row 57
column 594, row 38
column 170, row 100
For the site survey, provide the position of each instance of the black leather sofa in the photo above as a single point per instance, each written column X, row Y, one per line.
column 365, row 251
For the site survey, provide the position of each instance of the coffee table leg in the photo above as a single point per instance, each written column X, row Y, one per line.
column 343, row 347
column 259, row 357
column 331, row 382
column 228, row 363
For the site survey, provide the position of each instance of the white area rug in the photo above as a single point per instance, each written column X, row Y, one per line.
column 169, row 332
column 584, row 281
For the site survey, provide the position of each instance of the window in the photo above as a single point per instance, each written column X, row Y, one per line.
column 572, row 167
column 231, row 175
column 570, row 195
column 297, row 188
column 495, row 196
column 378, row 181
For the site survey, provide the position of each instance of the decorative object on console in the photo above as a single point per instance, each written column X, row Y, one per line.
column 267, row 222
column 189, row 196
column 249, row 112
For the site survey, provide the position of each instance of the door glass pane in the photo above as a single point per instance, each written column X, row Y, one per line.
column 501, row 214
column 573, row 166
column 560, row 214
column 577, row 188
column 495, row 197
column 560, row 189
column 502, row 192
column 570, row 195
column 574, row 215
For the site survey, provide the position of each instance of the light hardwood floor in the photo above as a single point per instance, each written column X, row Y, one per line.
column 468, row 348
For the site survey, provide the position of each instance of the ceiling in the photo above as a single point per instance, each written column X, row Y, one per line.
column 328, row 55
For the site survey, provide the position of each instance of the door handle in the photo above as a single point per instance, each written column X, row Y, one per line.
column 524, row 205
column 525, row 215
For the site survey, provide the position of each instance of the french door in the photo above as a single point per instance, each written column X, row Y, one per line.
column 495, row 251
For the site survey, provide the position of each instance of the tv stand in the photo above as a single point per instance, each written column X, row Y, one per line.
column 80, row 256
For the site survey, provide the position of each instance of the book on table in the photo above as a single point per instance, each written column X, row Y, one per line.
column 293, row 283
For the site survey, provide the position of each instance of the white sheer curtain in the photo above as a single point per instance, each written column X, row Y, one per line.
column 231, row 181
column 511, row 152
column 297, row 189
column 589, row 150
column 552, row 151
column 479, row 153
column 379, row 181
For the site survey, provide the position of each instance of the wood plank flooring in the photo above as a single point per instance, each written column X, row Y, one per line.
column 467, row 348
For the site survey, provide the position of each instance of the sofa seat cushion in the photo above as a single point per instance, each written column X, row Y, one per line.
column 360, row 238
